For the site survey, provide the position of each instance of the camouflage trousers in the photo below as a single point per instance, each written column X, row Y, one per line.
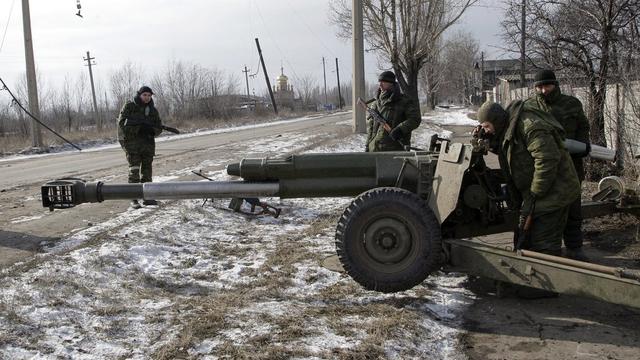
column 140, row 163
column 547, row 230
column 140, row 170
column 573, row 230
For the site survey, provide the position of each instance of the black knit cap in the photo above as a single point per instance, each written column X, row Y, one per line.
column 387, row 76
column 145, row 89
column 545, row 77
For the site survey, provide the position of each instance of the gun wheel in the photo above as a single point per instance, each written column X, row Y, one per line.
column 389, row 240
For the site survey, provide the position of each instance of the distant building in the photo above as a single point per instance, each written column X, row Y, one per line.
column 506, row 69
column 283, row 92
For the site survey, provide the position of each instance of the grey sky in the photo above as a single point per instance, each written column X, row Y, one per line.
column 213, row 33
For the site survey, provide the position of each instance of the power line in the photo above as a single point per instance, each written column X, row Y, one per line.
column 295, row 75
column 7, row 26
column 310, row 29
column 15, row 101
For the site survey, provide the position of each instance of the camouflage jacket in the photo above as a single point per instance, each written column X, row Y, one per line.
column 534, row 159
column 399, row 111
column 138, row 135
column 567, row 110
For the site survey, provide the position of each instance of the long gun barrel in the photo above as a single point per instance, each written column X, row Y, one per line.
column 297, row 176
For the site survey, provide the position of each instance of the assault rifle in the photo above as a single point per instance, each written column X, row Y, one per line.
column 236, row 203
column 134, row 122
column 383, row 122
column 375, row 115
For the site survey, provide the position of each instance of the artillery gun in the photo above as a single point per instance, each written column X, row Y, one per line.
column 414, row 213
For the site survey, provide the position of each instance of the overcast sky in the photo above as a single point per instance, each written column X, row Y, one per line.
column 213, row 33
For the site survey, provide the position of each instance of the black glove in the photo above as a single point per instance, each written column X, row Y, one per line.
column 396, row 134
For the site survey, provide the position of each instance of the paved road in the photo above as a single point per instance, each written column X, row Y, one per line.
column 25, row 225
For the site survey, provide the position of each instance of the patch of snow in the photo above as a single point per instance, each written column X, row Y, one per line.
column 450, row 117
column 128, row 286
column 22, row 219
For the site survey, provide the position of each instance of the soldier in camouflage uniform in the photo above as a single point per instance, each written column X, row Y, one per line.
column 542, row 179
column 401, row 113
column 567, row 110
column 137, row 137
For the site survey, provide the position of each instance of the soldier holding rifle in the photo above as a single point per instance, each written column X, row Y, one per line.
column 400, row 113
column 138, row 125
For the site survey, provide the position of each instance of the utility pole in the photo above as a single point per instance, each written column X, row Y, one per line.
column 324, row 74
column 339, row 91
column 266, row 77
column 32, row 87
column 482, row 97
column 359, row 125
column 89, row 60
column 523, row 25
column 246, row 79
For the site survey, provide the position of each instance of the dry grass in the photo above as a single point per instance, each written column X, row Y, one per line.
column 206, row 318
column 320, row 224
column 108, row 310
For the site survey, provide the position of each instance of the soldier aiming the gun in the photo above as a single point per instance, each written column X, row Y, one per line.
column 540, row 173
column 138, row 125
column 400, row 113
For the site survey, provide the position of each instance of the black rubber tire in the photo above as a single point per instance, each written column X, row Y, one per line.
column 388, row 240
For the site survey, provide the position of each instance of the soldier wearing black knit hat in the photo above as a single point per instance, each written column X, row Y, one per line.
column 138, row 125
column 567, row 110
column 400, row 112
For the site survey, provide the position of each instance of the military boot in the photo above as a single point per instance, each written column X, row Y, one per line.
column 576, row 254
column 135, row 204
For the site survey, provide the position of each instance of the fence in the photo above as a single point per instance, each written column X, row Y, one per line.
column 622, row 115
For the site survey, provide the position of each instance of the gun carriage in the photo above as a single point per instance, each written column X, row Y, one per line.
column 413, row 213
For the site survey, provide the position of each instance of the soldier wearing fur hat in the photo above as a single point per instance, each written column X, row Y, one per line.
column 137, row 137
column 567, row 110
column 540, row 173
column 401, row 113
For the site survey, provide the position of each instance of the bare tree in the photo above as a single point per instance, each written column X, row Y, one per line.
column 81, row 97
column 458, row 74
column 432, row 75
column 578, row 37
column 307, row 85
column 403, row 32
column 124, row 83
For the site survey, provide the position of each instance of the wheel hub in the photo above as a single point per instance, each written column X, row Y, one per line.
column 387, row 240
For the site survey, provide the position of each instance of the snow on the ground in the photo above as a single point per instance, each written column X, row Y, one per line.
column 452, row 116
column 192, row 281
